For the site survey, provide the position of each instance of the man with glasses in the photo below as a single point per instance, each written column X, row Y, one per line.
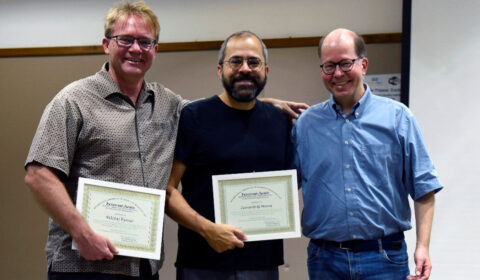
column 359, row 156
column 107, row 126
column 233, row 132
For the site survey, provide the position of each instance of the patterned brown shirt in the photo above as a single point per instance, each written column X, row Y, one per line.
column 91, row 130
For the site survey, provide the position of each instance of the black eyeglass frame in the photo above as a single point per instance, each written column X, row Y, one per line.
column 122, row 41
column 340, row 65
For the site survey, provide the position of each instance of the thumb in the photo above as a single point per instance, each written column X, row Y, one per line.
column 240, row 235
column 419, row 269
column 112, row 247
column 290, row 112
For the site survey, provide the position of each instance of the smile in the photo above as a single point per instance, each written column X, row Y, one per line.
column 136, row 60
column 244, row 82
column 341, row 83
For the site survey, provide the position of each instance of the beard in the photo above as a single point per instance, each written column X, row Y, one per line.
column 243, row 93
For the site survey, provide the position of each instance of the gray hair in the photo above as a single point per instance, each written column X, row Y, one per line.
column 221, row 53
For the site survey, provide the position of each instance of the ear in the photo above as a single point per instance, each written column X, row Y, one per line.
column 155, row 50
column 105, row 43
column 364, row 66
column 267, row 69
column 219, row 71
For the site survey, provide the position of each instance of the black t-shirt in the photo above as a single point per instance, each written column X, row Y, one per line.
column 215, row 139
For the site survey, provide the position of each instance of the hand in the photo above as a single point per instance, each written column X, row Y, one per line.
column 293, row 109
column 423, row 266
column 95, row 247
column 223, row 237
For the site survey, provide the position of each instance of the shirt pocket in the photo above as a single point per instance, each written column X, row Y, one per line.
column 376, row 160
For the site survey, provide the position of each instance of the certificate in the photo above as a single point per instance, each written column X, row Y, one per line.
column 130, row 216
column 264, row 205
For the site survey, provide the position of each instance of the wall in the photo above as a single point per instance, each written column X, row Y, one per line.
column 444, row 96
column 72, row 22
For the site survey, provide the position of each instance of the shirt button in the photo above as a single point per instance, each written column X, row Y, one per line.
column 346, row 142
column 347, row 120
column 347, row 165
column 349, row 189
column 354, row 236
column 351, row 214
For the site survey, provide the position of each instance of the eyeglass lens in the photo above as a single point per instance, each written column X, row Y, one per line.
column 127, row 41
column 236, row 62
column 345, row 65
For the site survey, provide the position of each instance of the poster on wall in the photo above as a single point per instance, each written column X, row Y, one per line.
column 387, row 85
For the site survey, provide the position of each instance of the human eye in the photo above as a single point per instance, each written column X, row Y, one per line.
column 253, row 62
column 329, row 67
column 145, row 42
column 346, row 64
column 126, row 40
column 235, row 61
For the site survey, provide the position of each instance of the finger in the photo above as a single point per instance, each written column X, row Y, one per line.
column 290, row 112
column 302, row 106
column 419, row 270
column 426, row 272
column 219, row 249
column 240, row 235
column 112, row 247
column 238, row 243
column 108, row 255
column 108, row 252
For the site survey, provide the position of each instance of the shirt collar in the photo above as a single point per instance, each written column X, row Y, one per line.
column 110, row 87
column 358, row 108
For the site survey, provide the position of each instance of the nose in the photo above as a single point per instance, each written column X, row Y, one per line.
column 135, row 46
column 244, row 67
column 338, row 71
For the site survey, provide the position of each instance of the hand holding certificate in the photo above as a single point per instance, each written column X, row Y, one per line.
column 130, row 216
column 264, row 205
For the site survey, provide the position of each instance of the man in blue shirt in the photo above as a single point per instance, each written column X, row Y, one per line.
column 359, row 156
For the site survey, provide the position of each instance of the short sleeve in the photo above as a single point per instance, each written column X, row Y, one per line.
column 54, row 142
column 420, row 175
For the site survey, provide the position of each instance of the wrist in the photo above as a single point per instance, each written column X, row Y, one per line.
column 204, row 226
column 422, row 246
column 79, row 229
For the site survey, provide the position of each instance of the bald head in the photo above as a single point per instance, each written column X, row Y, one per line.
column 343, row 51
column 341, row 38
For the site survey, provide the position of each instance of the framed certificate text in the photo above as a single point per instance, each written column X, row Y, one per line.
column 130, row 216
column 264, row 205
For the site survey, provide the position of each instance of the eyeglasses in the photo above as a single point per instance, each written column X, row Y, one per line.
column 346, row 65
column 236, row 62
column 126, row 41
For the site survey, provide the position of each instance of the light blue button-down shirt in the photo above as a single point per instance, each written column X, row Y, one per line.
column 357, row 170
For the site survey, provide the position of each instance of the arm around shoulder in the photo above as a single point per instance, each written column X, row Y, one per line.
column 292, row 109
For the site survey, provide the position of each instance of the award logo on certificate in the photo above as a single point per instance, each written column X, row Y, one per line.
column 264, row 205
column 130, row 216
